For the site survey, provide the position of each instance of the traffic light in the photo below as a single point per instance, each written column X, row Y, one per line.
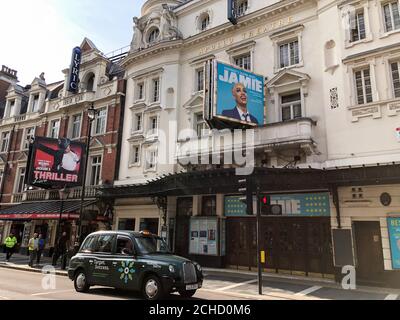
column 245, row 188
column 267, row 208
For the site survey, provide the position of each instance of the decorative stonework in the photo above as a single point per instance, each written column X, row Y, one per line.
column 334, row 98
column 393, row 108
column 368, row 111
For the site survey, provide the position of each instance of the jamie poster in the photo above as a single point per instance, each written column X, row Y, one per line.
column 393, row 224
column 239, row 95
column 56, row 162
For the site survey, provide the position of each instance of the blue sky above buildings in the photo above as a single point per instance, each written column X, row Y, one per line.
column 38, row 36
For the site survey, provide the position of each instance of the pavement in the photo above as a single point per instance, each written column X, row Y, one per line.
column 219, row 284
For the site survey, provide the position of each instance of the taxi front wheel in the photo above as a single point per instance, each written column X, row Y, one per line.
column 80, row 282
column 152, row 288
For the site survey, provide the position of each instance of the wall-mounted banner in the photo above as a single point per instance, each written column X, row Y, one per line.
column 393, row 224
column 55, row 163
column 73, row 79
column 302, row 205
column 238, row 95
column 232, row 11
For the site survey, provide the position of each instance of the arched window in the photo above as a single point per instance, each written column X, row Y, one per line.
column 153, row 35
column 242, row 7
column 90, row 82
column 204, row 21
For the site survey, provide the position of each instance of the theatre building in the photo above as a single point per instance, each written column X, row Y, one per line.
column 49, row 110
column 326, row 150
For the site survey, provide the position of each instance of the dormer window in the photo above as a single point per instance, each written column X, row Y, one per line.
column 90, row 82
column 35, row 103
column 10, row 111
column 204, row 21
column 153, row 35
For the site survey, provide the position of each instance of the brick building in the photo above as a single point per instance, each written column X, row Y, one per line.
column 49, row 110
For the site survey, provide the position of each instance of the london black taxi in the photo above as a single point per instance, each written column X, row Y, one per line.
column 133, row 260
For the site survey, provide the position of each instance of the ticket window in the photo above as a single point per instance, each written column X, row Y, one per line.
column 126, row 224
column 149, row 224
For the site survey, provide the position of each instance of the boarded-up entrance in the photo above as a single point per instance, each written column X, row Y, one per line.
column 291, row 243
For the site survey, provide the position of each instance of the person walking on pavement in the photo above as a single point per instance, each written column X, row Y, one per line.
column 61, row 251
column 10, row 243
column 40, row 248
column 33, row 247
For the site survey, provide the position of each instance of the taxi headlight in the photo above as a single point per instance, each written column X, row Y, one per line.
column 198, row 266
column 171, row 268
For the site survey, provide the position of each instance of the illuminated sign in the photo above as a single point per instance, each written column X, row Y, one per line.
column 73, row 79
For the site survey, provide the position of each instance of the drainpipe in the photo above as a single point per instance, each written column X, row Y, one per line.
column 335, row 196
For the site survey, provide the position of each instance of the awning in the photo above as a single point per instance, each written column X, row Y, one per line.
column 44, row 210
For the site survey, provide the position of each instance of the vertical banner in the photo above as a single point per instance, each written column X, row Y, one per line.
column 232, row 11
column 73, row 79
column 393, row 225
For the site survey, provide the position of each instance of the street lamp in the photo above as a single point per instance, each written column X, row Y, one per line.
column 91, row 114
column 63, row 194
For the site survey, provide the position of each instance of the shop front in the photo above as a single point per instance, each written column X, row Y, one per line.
column 297, row 242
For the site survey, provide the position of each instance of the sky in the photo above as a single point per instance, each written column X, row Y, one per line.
column 39, row 35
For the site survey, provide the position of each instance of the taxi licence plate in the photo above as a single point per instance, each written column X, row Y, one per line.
column 192, row 286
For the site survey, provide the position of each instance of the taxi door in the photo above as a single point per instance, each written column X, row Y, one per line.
column 125, row 267
column 100, row 262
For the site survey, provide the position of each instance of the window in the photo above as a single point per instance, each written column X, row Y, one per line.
column 204, row 22
column 153, row 123
column 5, row 139
column 100, row 121
column 138, row 122
column 199, row 79
column 291, row 106
column 153, row 35
column 243, row 61
column 126, row 224
column 391, row 16
column 151, row 159
column 140, row 91
column 363, row 86
column 156, row 90
column 289, row 54
column 242, row 8
column 89, row 245
column 184, row 207
column 357, row 24
column 11, row 109
column 54, row 128
column 148, row 224
column 76, row 126
column 35, row 103
column 200, row 125
column 209, row 206
column 135, row 155
column 27, row 137
column 95, row 170
column 396, row 78
column 124, row 246
column 105, row 243
column 20, row 181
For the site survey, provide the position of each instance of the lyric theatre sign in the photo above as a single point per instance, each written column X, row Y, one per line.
column 253, row 33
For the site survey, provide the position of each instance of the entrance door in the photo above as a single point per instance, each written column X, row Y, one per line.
column 184, row 208
column 369, row 251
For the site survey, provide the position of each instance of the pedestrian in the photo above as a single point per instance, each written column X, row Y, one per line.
column 10, row 243
column 33, row 247
column 61, row 251
column 40, row 248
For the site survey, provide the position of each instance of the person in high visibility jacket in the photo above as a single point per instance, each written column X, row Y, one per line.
column 33, row 247
column 10, row 243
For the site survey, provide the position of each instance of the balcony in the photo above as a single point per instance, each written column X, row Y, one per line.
column 43, row 195
column 289, row 134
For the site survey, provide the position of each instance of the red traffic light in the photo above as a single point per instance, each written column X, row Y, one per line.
column 265, row 200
